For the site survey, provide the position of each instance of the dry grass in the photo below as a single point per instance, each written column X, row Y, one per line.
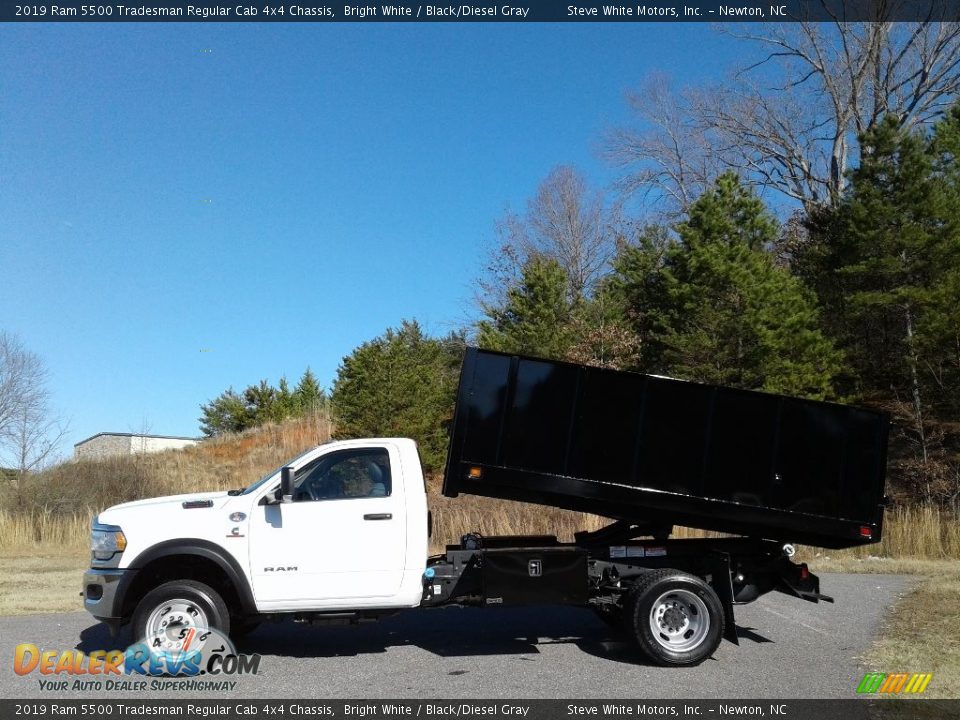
column 453, row 517
column 41, row 582
column 915, row 532
column 27, row 531
column 922, row 634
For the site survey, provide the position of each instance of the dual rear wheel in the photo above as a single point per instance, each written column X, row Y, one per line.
column 675, row 618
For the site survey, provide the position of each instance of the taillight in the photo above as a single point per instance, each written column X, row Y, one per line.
column 866, row 531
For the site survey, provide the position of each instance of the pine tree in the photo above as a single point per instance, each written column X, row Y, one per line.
column 225, row 413
column 286, row 405
column 310, row 397
column 262, row 405
column 938, row 338
column 401, row 384
column 729, row 315
column 536, row 315
column 635, row 295
column 892, row 248
column 731, row 214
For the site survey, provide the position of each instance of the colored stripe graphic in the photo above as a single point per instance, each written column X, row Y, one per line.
column 871, row 682
column 894, row 683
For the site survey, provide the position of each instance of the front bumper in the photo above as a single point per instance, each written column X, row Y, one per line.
column 103, row 593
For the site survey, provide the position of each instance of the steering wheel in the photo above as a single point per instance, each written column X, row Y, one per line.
column 323, row 488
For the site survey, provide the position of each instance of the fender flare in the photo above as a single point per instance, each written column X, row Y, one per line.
column 198, row 548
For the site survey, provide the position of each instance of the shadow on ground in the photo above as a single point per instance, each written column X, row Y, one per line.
column 446, row 632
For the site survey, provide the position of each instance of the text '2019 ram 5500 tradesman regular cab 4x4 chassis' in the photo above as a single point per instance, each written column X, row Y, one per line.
column 340, row 534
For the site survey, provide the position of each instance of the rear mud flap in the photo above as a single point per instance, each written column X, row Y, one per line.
column 798, row 581
column 723, row 587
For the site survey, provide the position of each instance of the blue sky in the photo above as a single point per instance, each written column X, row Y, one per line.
column 272, row 194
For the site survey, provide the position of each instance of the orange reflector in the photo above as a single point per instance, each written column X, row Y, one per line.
column 865, row 531
column 475, row 473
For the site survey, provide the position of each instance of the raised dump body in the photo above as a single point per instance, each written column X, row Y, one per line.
column 658, row 451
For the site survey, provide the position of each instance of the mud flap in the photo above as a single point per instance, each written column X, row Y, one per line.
column 723, row 586
column 798, row 581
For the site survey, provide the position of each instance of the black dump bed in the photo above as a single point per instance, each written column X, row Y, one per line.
column 649, row 449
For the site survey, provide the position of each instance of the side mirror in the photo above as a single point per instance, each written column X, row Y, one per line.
column 286, row 484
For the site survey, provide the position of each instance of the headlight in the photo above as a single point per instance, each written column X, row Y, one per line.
column 106, row 541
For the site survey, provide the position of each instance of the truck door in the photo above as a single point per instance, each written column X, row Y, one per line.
column 342, row 537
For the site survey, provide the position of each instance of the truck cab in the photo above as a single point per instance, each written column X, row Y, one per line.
column 349, row 536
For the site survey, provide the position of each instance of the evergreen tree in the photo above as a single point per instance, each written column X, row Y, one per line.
column 401, row 384
column 888, row 259
column 536, row 315
column 938, row 338
column 310, row 397
column 882, row 260
column 726, row 313
column 286, row 401
column 897, row 246
column 731, row 214
column 262, row 404
column 634, row 294
column 225, row 413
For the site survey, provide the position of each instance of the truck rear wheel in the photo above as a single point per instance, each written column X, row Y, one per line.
column 675, row 617
column 177, row 605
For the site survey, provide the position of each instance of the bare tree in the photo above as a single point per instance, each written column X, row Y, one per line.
column 672, row 156
column 33, row 441
column 21, row 380
column 790, row 120
column 30, row 432
column 564, row 221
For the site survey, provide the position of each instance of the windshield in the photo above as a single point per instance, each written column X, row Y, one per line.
column 249, row 489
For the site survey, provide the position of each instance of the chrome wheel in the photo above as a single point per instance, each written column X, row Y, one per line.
column 169, row 625
column 679, row 620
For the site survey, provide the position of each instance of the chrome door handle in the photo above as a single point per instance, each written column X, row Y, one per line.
column 378, row 516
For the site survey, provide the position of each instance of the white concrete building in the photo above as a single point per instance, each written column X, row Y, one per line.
column 106, row 444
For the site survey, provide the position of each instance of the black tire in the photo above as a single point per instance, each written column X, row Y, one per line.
column 205, row 599
column 687, row 612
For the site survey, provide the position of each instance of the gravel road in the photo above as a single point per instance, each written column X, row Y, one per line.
column 788, row 648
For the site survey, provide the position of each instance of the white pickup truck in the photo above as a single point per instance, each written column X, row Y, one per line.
column 350, row 536
column 340, row 533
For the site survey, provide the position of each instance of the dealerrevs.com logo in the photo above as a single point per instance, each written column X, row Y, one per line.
column 894, row 683
column 182, row 653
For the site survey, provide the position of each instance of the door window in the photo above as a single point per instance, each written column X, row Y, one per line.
column 344, row 475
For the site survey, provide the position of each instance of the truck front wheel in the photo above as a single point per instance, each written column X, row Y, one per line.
column 178, row 605
column 676, row 618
